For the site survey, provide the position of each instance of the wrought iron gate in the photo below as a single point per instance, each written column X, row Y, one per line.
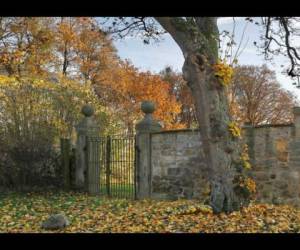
column 117, row 166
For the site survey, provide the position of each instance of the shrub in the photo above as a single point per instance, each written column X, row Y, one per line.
column 34, row 114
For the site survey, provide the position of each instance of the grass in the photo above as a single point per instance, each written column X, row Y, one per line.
column 119, row 190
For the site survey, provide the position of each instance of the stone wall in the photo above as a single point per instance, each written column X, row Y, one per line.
column 175, row 169
column 275, row 163
column 274, row 152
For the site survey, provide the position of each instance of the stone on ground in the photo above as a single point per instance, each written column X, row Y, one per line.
column 55, row 222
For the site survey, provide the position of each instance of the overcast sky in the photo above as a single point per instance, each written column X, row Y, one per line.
column 156, row 56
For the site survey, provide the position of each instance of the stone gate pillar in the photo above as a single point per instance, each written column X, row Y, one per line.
column 143, row 141
column 65, row 148
column 85, row 170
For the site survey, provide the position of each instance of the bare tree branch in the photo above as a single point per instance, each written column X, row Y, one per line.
column 277, row 41
column 120, row 27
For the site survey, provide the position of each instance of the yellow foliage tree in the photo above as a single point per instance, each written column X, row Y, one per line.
column 27, row 101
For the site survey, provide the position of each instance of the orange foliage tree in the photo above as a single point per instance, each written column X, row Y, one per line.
column 124, row 88
column 256, row 96
column 72, row 46
column 83, row 49
column 25, row 47
column 183, row 95
column 77, row 49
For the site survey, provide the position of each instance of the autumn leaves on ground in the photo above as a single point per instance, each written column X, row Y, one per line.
column 89, row 214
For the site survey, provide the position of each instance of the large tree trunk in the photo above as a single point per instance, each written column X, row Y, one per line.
column 198, row 40
column 220, row 148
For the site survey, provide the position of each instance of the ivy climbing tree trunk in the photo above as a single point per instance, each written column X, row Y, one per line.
column 198, row 40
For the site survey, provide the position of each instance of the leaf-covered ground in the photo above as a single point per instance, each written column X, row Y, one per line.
column 25, row 213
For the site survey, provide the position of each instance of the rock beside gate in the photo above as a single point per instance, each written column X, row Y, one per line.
column 55, row 222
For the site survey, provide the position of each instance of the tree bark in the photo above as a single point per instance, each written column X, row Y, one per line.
column 65, row 61
column 220, row 148
column 198, row 40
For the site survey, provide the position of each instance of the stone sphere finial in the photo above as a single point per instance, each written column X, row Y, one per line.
column 87, row 110
column 148, row 107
